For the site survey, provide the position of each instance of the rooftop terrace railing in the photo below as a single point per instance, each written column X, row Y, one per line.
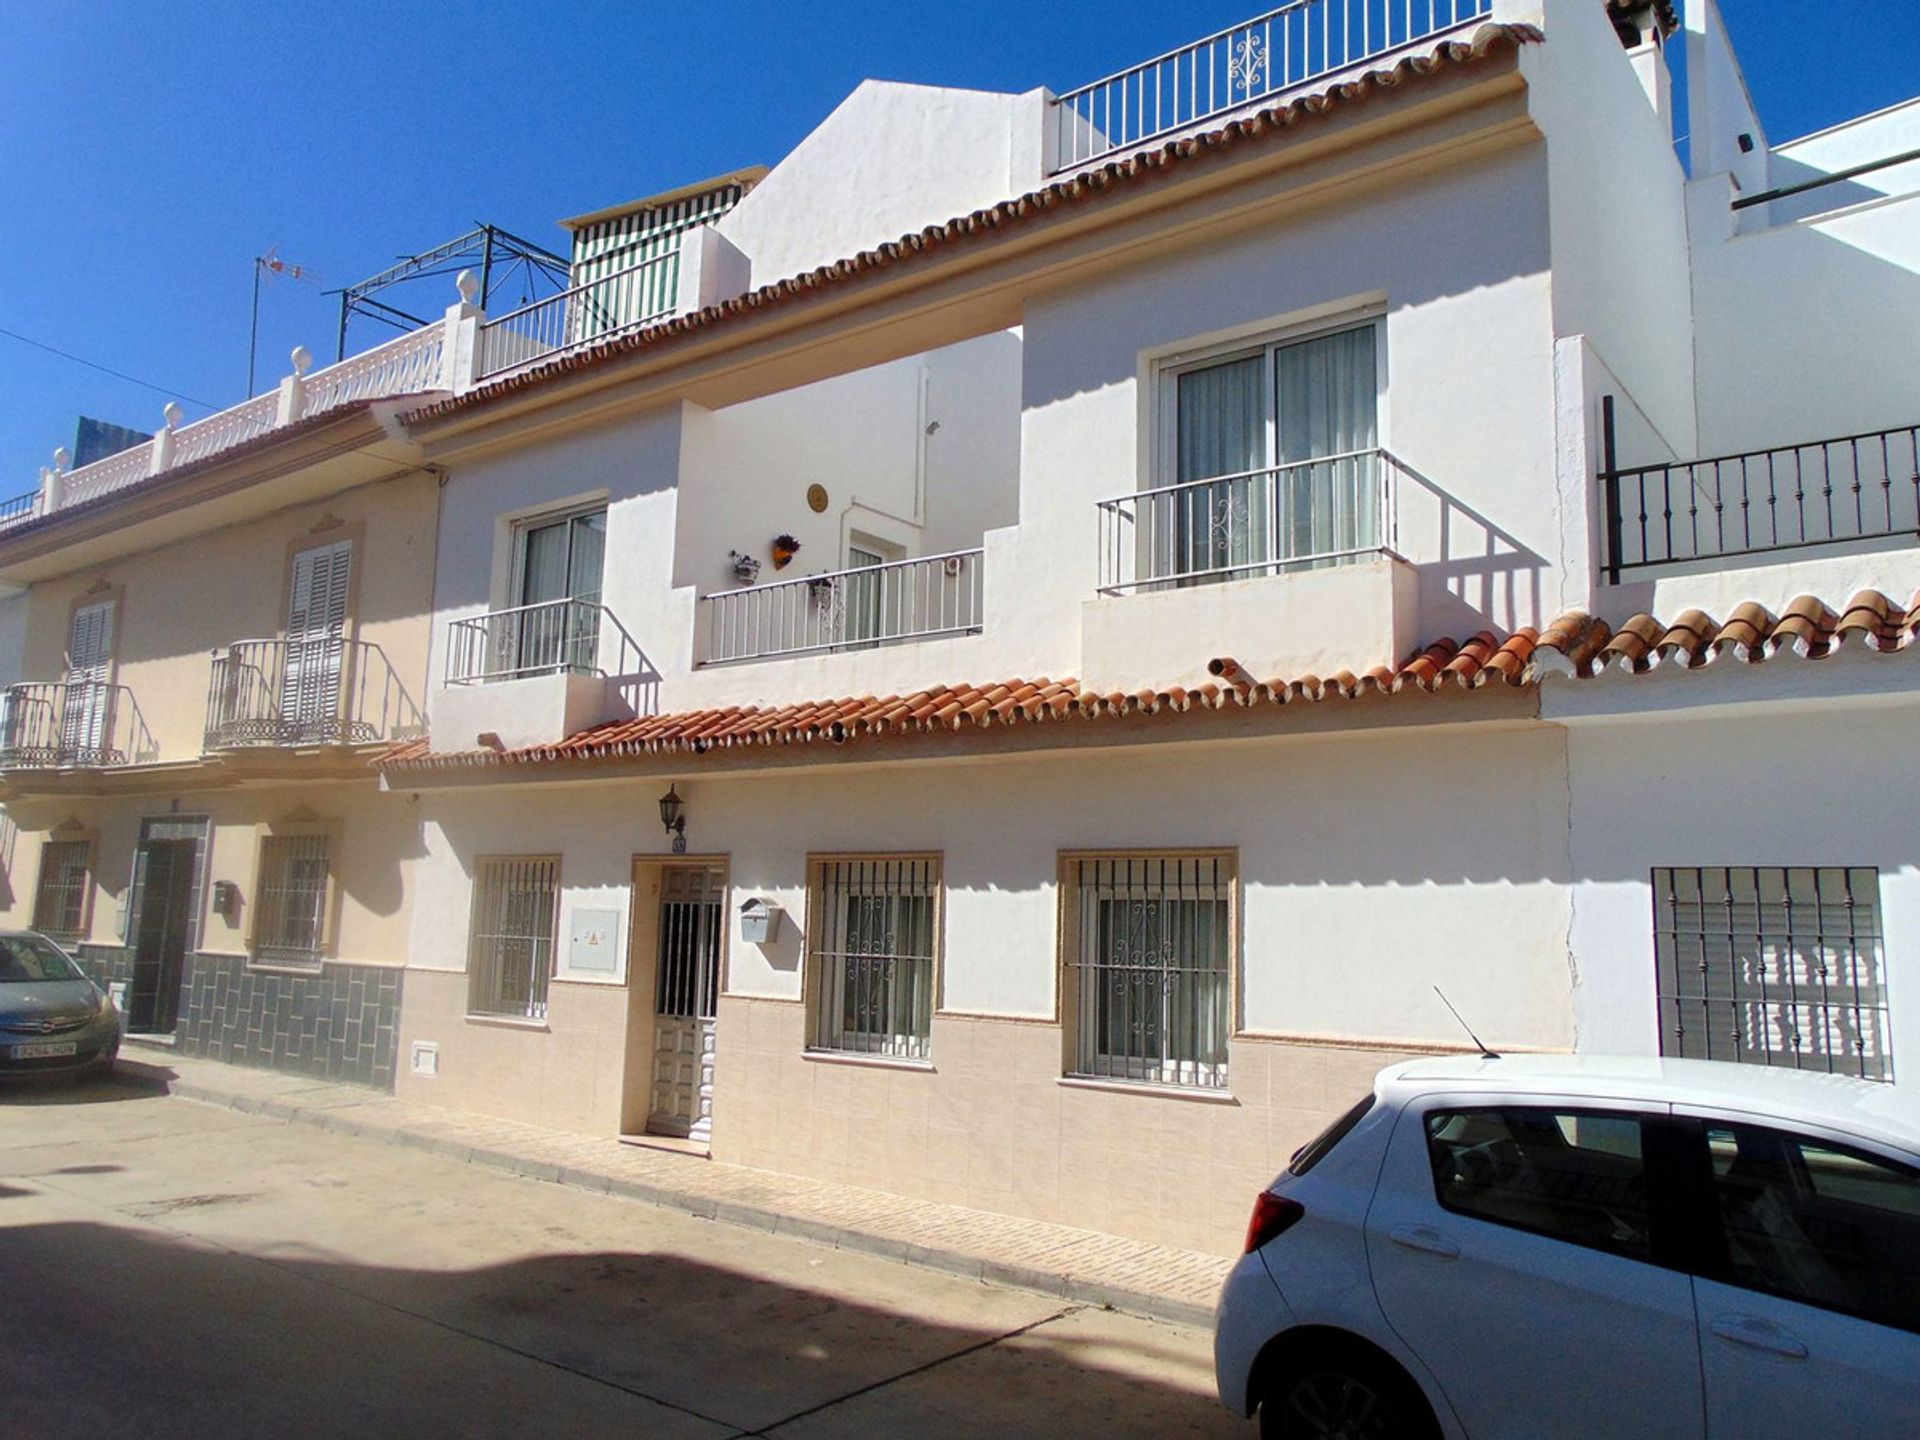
column 600, row 309
column 1281, row 50
column 1856, row 489
column 411, row 364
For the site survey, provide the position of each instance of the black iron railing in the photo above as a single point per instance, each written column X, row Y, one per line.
column 71, row 725
column 1849, row 490
column 321, row 691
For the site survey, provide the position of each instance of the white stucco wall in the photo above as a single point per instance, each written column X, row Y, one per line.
column 1808, row 330
column 1714, row 789
column 1454, row 263
column 1620, row 274
column 1368, row 873
column 890, row 159
column 1879, row 136
column 1719, row 108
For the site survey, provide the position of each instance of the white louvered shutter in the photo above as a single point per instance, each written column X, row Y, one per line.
column 86, row 719
column 316, row 630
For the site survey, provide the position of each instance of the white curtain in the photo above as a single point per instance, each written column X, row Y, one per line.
column 1327, row 393
column 1222, row 430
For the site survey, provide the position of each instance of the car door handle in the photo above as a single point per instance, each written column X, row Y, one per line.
column 1425, row 1239
column 1758, row 1334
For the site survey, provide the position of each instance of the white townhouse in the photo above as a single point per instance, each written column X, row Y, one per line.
column 1015, row 655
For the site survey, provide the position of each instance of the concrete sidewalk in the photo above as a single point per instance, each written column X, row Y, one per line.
column 1154, row 1281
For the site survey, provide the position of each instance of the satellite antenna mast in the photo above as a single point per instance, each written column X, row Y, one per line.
column 1478, row 1044
column 269, row 263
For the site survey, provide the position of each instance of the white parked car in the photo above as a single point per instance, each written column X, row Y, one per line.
column 1577, row 1246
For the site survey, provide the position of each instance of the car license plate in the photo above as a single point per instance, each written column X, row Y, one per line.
column 44, row 1050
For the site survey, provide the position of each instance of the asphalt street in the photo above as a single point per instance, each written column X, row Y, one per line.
column 173, row 1269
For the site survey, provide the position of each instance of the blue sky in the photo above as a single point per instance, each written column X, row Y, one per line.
column 148, row 152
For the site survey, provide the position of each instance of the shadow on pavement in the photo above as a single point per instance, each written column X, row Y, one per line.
column 196, row 1338
column 128, row 1080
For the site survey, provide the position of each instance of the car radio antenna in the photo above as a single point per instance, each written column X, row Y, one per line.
column 1478, row 1044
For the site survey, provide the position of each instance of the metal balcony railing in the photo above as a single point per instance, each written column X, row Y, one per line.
column 72, row 725
column 1854, row 490
column 322, row 691
column 550, row 638
column 1300, row 516
column 598, row 310
column 1281, row 50
column 854, row 609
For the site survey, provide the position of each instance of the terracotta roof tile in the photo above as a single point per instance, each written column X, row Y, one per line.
column 1576, row 645
column 1079, row 187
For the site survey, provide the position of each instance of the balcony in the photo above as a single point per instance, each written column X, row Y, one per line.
column 841, row 610
column 72, row 725
column 1857, row 491
column 534, row 674
column 1293, row 569
column 1286, row 49
column 297, row 694
column 1301, row 516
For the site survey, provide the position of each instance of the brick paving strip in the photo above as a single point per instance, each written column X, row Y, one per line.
column 1153, row 1281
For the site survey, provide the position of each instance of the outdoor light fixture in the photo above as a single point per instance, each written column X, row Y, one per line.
column 673, row 816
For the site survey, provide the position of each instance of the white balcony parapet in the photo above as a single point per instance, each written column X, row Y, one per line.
column 1298, row 516
column 1298, row 44
column 918, row 599
column 414, row 363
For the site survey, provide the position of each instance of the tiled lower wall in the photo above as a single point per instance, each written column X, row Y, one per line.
column 992, row 1126
column 105, row 964
column 339, row 1024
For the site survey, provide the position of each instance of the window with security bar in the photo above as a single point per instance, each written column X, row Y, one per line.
column 876, row 933
column 1773, row 965
column 60, row 898
column 510, row 942
column 291, row 904
column 1149, row 967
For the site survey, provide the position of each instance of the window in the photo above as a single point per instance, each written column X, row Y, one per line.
column 1577, row 1176
column 1321, row 1146
column 556, row 594
column 1773, row 966
column 1271, row 461
column 310, row 679
column 1149, row 967
column 291, row 899
column 876, row 929
column 510, row 937
column 1817, row 1222
column 60, row 899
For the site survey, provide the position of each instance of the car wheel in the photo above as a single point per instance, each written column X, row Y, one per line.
column 1340, row 1394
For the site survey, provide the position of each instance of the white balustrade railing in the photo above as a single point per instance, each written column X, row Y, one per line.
column 103, row 477
column 405, row 366
column 409, row 365
column 598, row 310
column 1300, row 516
column 847, row 609
column 230, row 427
column 1294, row 45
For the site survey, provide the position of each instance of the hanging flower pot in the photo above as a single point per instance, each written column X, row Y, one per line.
column 785, row 547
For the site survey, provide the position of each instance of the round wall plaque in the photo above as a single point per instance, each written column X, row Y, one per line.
column 817, row 499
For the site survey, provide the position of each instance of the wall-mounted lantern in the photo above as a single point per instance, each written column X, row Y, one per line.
column 759, row 921
column 673, row 817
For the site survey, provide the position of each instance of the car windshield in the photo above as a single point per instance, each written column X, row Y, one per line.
column 25, row 959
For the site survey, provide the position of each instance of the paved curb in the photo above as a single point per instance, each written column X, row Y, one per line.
column 1057, row 1285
